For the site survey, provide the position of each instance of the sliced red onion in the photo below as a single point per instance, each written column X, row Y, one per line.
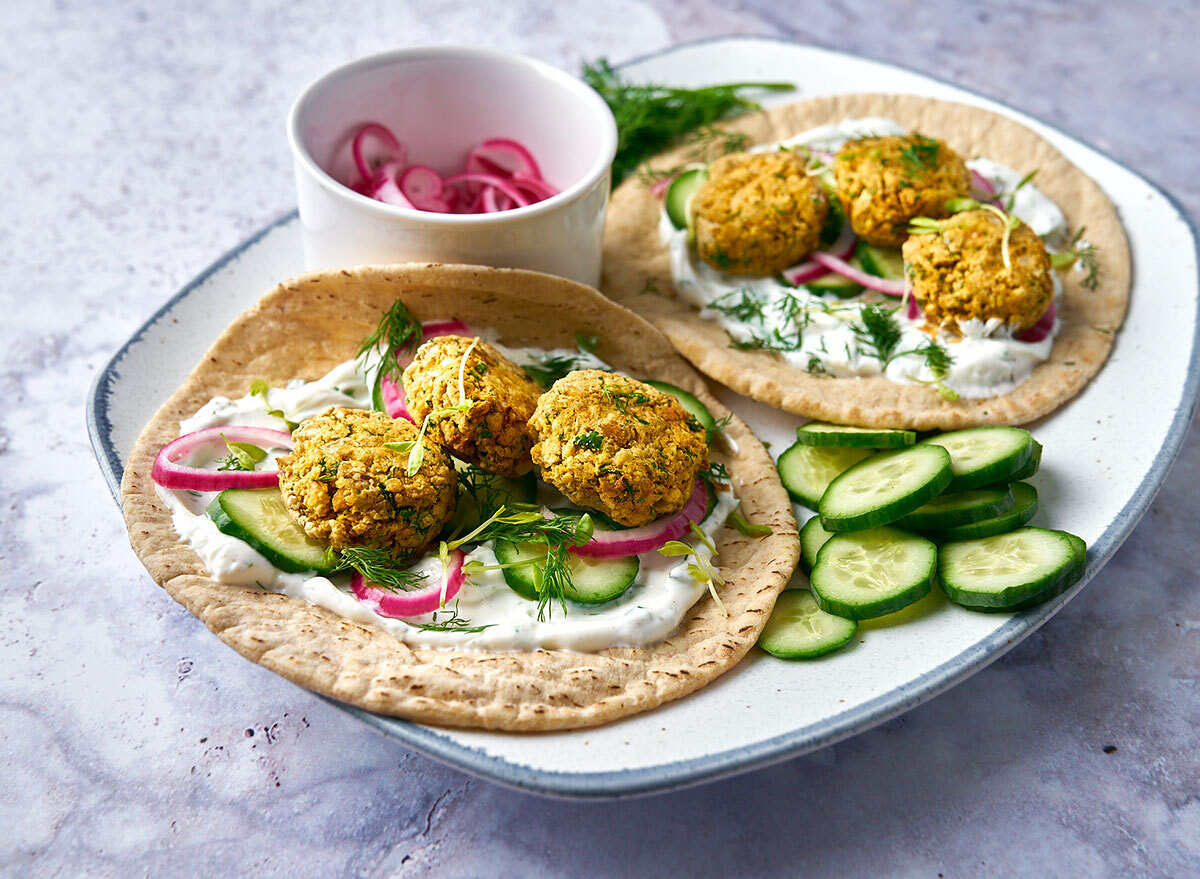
column 395, row 149
column 395, row 402
column 503, row 156
column 809, row 270
column 492, row 180
column 539, row 189
column 384, row 187
column 635, row 541
column 170, row 474
column 423, row 187
column 1041, row 329
column 398, row 605
column 914, row 308
column 858, row 276
column 984, row 187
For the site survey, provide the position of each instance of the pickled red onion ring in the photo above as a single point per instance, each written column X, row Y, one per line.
column 388, row 603
column 168, row 473
column 635, row 541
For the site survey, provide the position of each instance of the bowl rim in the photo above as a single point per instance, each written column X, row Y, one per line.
column 572, row 193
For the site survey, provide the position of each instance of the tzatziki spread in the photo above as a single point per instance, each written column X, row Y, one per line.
column 499, row 618
column 823, row 335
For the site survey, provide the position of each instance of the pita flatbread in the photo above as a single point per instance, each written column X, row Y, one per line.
column 635, row 261
column 306, row 326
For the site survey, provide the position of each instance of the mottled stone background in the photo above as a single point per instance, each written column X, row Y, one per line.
column 141, row 140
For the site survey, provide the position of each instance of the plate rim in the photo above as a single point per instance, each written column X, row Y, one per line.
column 664, row 777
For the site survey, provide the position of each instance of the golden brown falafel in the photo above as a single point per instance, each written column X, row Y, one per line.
column 758, row 213
column 883, row 182
column 617, row 445
column 494, row 433
column 344, row 486
column 959, row 273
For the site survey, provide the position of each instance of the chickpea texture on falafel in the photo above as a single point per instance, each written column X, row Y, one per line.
column 493, row 433
column 617, row 445
column 344, row 486
column 758, row 213
column 883, row 182
column 969, row 269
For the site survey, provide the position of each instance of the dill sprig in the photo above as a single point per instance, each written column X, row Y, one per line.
column 399, row 333
column 519, row 523
column 877, row 331
column 921, row 154
column 652, row 117
column 546, row 369
column 452, row 623
column 1085, row 255
column 379, row 568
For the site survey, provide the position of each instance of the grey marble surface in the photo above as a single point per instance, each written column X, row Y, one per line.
column 142, row 140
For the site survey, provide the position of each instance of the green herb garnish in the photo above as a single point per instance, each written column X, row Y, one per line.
column 259, row 388
column 242, row 456
column 702, row 569
column 652, row 117
column 743, row 525
column 398, row 334
column 877, row 332
column 1086, row 256
column 920, row 155
column 589, row 439
column 379, row 568
column 452, row 623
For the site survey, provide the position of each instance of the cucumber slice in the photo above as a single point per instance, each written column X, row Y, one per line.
column 799, row 629
column 983, row 455
column 812, row 538
column 679, row 196
column 259, row 517
column 689, row 402
column 1080, row 550
column 960, row 508
column 594, row 581
column 1035, row 463
column 838, row 285
column 883, row 262
column 885, row 487
column 806, row 471
column 1006, row 571
column 818, row 433
column 1025, row 502
column 871, row 573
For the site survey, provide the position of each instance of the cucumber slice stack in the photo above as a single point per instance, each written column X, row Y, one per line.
column 895, row 516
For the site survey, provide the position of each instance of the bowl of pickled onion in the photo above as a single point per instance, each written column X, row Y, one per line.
column 453, row 154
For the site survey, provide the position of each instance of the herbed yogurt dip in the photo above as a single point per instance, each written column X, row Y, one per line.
column 646, row 613
column 818, row 333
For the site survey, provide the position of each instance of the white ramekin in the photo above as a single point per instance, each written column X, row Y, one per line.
column 441, row 101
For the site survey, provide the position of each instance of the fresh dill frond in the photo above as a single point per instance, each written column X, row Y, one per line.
column 452, row 623
column 719, row 426
column 379, row 568
column 399, row 333
column 652, row 117
column 709, row 142
column 937, row 358
column 547, row 368
column 1085, row 256
column 742, row 304
column 877, row 331
column 816, row 367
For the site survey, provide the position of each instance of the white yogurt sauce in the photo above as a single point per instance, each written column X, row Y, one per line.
column 987, row 360
column 648, row 612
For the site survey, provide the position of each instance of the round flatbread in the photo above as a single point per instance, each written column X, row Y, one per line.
column 306, row 326
column 637, row 275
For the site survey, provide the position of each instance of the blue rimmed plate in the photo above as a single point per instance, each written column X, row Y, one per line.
column 1097, row 478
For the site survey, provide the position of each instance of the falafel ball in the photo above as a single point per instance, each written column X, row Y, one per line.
column 758, row 213
column 959, row 273
column 494, row 432
column 883, row 182
column 345, row 487
column 618, row 445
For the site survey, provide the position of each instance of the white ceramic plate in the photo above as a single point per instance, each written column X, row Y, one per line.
column 1107, row 453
